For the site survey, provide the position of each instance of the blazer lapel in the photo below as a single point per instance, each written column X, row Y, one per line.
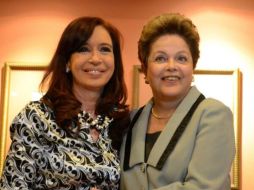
column 137, row 153
column 166, row 135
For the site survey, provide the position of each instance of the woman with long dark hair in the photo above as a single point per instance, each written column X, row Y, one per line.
column 70, row 139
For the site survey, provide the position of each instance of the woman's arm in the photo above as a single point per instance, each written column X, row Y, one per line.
column 213, row 153
column 19, row 170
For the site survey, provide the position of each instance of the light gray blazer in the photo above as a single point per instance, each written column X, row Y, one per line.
column 201, row 159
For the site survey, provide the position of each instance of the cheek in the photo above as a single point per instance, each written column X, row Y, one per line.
column 112, row 64
column 189, row 76
column 109, row 61
column 112, row 69
column 153, row 73
column 75, row 62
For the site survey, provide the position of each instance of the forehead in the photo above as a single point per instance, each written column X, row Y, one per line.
column 169, row 42
column 100, row 35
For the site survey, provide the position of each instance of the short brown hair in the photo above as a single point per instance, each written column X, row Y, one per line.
column 169, row 23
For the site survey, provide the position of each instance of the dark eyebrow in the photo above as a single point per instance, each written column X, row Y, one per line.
column 183, row 51
column 161, row 52
column 106, row 44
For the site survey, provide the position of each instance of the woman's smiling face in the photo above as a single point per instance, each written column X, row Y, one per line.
column 93, row 65
column 170, row 67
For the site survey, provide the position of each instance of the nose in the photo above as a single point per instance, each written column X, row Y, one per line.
column 95, row 57
column 171, row 64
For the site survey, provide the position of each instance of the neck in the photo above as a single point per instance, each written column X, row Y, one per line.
column 163, row 110
column 87, row 98
column 156, row 116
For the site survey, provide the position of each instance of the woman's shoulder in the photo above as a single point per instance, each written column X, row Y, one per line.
column 212, row 102
column 34, row 109
column 214, row 105
column 37, row 106
column 34, row 114
column 208, row 102
column 135, row 112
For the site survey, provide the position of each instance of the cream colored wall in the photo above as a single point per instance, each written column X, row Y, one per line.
column 30, row 30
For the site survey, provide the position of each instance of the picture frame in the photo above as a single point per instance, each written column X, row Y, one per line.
column 20, row 84
column 224, row 85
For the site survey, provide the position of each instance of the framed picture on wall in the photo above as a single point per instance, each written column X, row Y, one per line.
column 20, row 85
column 224, row 85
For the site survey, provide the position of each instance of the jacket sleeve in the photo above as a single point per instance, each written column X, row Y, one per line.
column 213, row 153
column 19, row 169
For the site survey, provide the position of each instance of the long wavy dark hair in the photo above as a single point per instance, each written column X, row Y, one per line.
column 59, row 95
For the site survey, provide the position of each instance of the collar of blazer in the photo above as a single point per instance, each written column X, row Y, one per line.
column 165, row 149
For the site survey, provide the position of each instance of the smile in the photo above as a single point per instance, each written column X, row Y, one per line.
column 93, row 71
column 171, row 78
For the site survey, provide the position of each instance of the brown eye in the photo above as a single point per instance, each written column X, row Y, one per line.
column 182, row 58
column 161, row 59
column 83, row 49
column 105, row 49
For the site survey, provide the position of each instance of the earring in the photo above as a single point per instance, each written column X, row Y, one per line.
column 193, row 79
column 67, row 70
column 146, row 81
